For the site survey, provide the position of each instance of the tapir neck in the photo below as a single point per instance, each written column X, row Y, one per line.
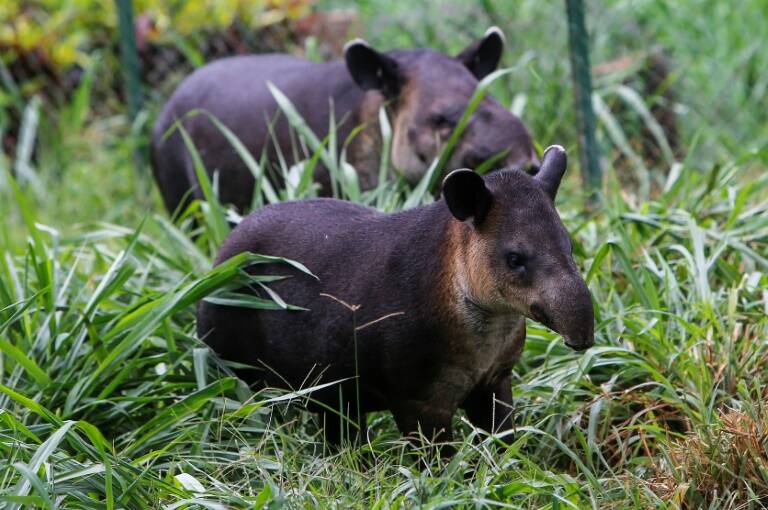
column 443, row 270
column 472, row 298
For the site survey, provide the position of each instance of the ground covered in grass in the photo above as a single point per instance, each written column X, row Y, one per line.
column 107, row 399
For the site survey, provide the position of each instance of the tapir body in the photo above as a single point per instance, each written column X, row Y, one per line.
column 420, row 312
column 425, row 93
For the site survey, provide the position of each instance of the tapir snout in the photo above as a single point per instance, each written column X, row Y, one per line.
column 567, row 309
column 495, row 134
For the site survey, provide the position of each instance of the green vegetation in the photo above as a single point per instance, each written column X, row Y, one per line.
column 107, row 399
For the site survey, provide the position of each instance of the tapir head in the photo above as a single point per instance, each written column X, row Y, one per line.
column 428, row 92
column 513, row 252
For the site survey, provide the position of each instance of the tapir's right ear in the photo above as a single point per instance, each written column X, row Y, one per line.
column 466, row 195
column 371, row 69
column 553, row 165
column 482, row 56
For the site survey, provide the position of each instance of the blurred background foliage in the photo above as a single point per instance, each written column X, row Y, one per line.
column 46, row 45
column 661, row 74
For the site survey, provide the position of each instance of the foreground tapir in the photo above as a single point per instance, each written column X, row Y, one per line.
column 443, row 292
column 426, row 92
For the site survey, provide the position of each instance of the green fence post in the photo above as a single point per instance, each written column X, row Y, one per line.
column 129, row 57
column 582, row 86
column 129, row 61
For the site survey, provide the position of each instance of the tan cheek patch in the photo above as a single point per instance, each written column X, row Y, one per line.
column 469, row 272
column 470, row 262
column 482, row 283
column 405, row 155
column 484, row 277
column 404, row 158
column 518, row 297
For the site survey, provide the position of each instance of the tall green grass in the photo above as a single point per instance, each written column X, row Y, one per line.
column 108, row 399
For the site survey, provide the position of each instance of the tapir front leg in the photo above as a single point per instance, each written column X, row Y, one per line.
column 432, row 413
column 490, row 407
column 338, row 429
column 430, row 419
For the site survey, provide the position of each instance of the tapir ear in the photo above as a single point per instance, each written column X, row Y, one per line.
column 466, row 195
column 482, row 56
column 371, row 69
column 553, row 165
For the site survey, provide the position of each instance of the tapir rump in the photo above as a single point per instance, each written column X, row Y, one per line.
column 425, row 93
column 443, row 290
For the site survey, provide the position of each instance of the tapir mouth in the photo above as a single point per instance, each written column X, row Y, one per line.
column 577, row 346
column 540, row 315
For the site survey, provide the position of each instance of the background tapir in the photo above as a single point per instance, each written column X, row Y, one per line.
column 443, row 291
column 426, row 92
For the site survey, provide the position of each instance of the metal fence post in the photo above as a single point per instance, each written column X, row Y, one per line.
column 129, row 57
column 582, row 86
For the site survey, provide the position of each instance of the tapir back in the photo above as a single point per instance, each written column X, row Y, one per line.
column 234, row 90
column 359, row 280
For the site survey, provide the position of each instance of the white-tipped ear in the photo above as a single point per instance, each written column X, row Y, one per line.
column 494, row 30
column 354, row 42
column 466, row 196
column 482, row 56
column 372, row 70
column 553, row 165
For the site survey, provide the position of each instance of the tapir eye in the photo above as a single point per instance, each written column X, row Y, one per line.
column 515, row 261
column 440, row 121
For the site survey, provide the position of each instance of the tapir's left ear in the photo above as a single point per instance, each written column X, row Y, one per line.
column 482, row 56
column 553, row 165
column 371, row 69
column 466, row 195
